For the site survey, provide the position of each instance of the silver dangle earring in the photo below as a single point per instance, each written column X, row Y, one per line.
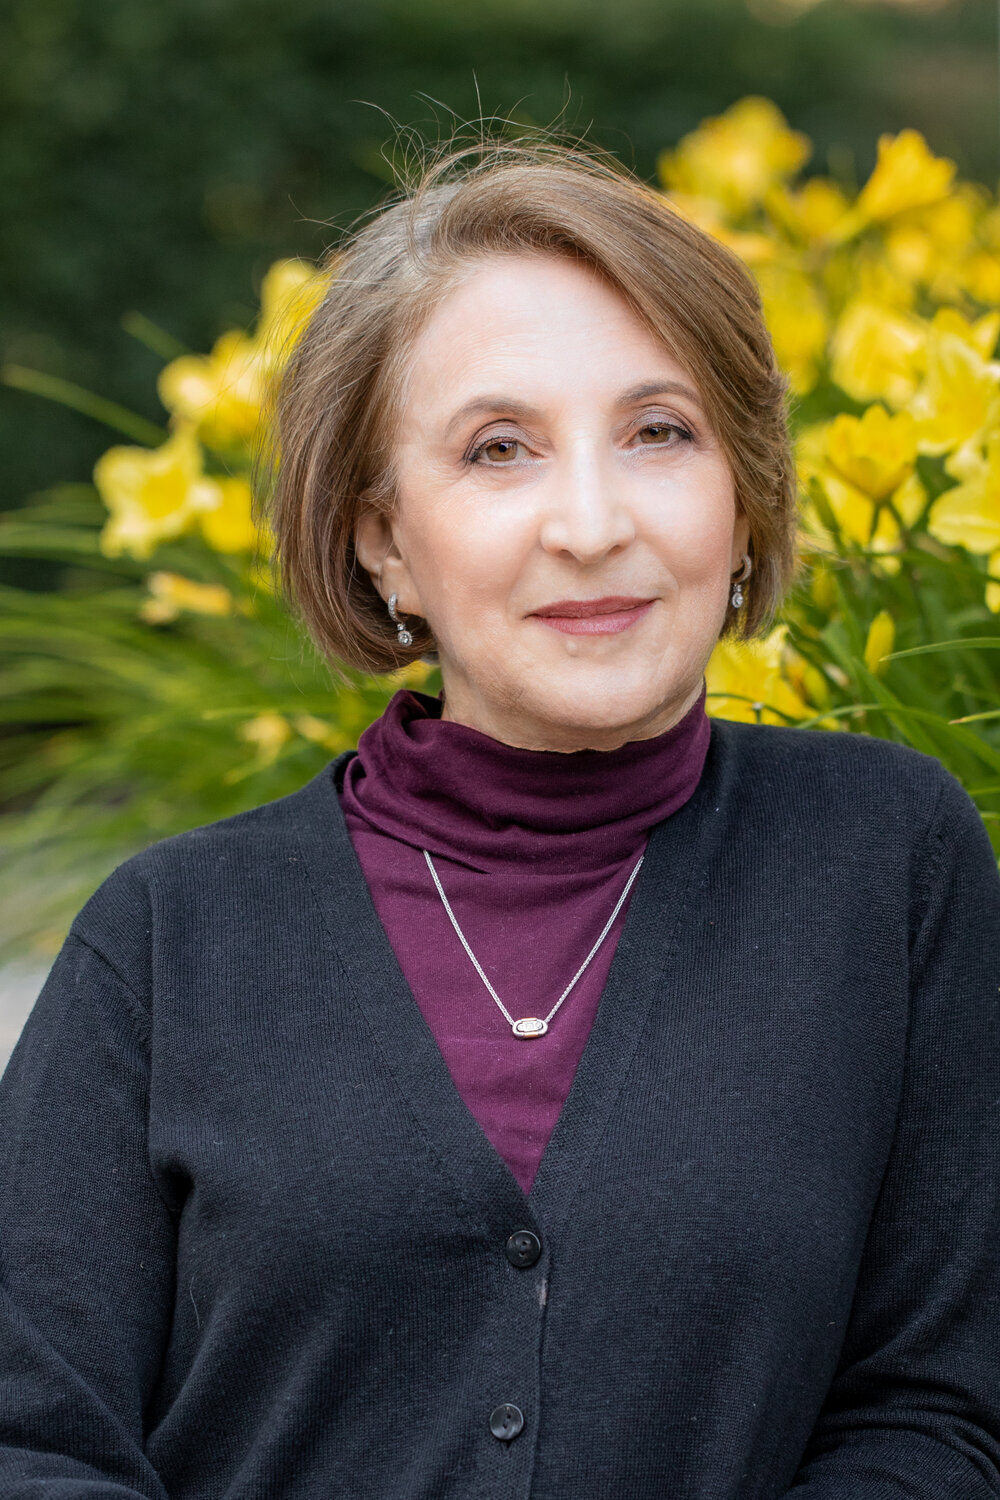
column 403, row 636
column 739, row 581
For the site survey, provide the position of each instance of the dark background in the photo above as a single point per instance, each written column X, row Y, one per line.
column 157, row 155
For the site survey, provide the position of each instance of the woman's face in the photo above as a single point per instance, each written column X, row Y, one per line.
column 566, row 520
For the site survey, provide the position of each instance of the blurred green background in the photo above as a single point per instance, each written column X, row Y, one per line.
column 158, row 156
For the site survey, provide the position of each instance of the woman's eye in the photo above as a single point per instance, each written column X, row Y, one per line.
column 496, row 451
column 660, row 434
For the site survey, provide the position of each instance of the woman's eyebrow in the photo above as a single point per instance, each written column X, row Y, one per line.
column 522, row 410
column 650, row 388
column 489, row 403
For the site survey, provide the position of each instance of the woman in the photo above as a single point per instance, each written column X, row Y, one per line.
column 562, row 1095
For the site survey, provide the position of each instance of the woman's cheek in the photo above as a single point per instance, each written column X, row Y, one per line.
column 702, row 539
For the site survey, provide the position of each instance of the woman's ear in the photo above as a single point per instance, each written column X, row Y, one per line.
column 377, row 551
column 741, row 541
column 372, row 542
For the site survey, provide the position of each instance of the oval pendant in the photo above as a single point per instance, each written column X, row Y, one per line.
column 530, row 1026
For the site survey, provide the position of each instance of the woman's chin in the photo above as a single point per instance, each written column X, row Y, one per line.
column 603, row 703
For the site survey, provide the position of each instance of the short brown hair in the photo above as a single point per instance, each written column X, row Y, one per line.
column 329, row 429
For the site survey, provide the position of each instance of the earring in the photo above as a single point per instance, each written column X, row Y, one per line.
column 739, row 580
column 403, row 636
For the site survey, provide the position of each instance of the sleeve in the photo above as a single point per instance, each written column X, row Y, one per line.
column 87, row 1248
column 913, row 1411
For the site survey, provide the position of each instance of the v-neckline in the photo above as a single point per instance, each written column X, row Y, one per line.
column 478, row 1173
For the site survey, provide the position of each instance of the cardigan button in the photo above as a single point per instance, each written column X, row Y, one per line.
column 506, row 1422
column 523, row 1249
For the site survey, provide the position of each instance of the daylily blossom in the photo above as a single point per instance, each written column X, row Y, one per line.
column 751, row 246
column 960, row 395
column 809, row 213
column 289, row 294
column 319, row 732
column 880, row 641
column 993, row 587
column 171, row 594
column 877, row 352
column 874, row 452
column 746, row 681
column 859, row 517
column 269, row 732
column 797, row 321
column 907, row 175
column 968, row 515
column 735, row 157
column 228, row 526
column 221, row 392
column 980, row 335
column 152, row 494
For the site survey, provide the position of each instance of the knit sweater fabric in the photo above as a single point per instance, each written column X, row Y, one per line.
column 533, row 849
column 253, row 1244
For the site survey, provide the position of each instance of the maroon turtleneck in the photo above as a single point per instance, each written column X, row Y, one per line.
column 533, row 849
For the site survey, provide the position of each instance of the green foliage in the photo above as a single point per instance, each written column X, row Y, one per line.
column 116, row 733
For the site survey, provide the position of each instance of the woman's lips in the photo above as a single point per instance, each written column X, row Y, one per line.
column 594, row 616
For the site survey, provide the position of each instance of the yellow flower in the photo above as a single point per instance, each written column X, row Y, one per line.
column 751, row 246
column 269, row 732
column 812, row 212
column 993, row 589
column 228, row 526
column 960, row 395
column 824, row 593
column 981, row 335
column 220, row 392
column 857, row 518
column 859, row 521
column 320, row 733
column 880, row 641
column 981, row 276
column 950, row 223
column 911, row 252
column 289, row 294
column 968, row 515
column 171, row 593
column 797, row 322
column 876, row 353
column 223, row 392
column 874, row 452
column 874, row 279
column 815, row 687
column 152, row 494
column 735, row 157
column 907, row 175
column 746, row 680
column 910, row 499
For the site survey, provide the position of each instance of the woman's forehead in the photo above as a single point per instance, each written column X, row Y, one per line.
column 522, row 328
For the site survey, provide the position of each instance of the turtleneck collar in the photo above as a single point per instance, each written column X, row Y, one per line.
column 442, row 786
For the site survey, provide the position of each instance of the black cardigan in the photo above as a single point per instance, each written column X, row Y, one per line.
column 254, row 1246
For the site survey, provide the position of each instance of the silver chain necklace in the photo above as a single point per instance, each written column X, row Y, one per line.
column 531, row 1026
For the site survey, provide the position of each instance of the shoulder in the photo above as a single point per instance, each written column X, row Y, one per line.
column 212, row 866
column 852, row 821
column 838, row 778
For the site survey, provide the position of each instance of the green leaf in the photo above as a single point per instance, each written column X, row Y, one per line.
column 155, row 338
column 37, row 383
column 976, row 643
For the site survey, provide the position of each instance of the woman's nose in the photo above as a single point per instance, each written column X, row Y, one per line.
column 585, row 510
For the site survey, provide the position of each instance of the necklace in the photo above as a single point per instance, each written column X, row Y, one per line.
column 530, row 1026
